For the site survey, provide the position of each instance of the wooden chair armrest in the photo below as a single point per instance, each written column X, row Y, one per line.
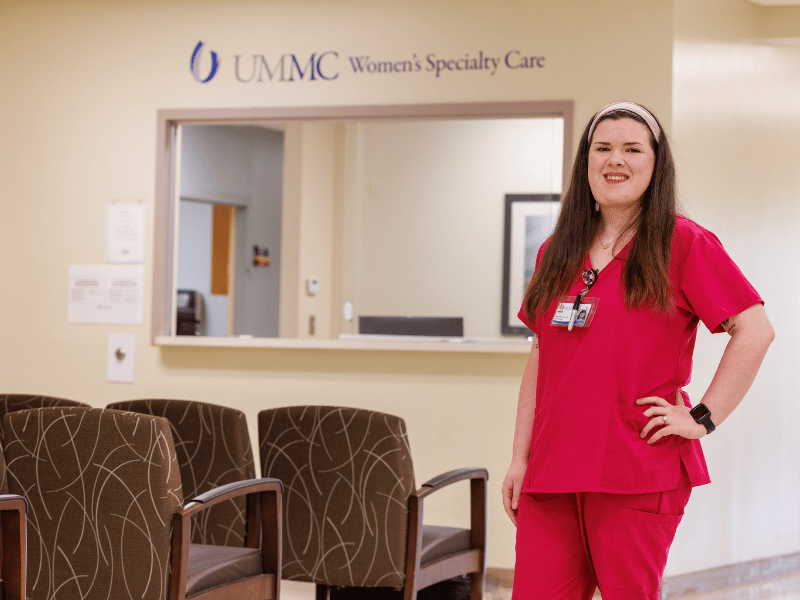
column 264, row 525
column 234, row 490
column 477, row 478
column 450, row 477
column 13, row 510
column 13, row 502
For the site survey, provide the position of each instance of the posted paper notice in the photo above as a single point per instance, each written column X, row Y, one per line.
column 125, row 233
column 106, row 294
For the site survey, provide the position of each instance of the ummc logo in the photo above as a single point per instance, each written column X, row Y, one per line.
column 195, row 64
column 287, row 67
column 256, row 68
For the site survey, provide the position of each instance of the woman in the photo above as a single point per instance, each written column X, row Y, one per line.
column 606, row 446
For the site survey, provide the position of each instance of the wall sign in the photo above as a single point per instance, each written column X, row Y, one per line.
column 125, row 233
column 105, row 294
column 330, row 65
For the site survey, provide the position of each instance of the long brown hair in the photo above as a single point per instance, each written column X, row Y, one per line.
column 646, row 271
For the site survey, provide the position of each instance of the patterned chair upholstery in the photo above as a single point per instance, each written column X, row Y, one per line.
column 12, row 540
column 213, row 446
column 106, row 516
column 352, row 513
column 14, row 402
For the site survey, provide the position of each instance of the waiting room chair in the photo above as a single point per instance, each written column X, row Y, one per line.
column 13, row 510
column 213, row 447
column 353, row 517
column 14, row 402
column 107, row 518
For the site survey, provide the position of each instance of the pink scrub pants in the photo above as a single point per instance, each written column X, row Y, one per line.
column 569, row 544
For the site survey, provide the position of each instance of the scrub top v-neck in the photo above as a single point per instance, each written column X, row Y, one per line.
column 586, row 431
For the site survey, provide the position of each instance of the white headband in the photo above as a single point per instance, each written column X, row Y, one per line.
column 630, row 107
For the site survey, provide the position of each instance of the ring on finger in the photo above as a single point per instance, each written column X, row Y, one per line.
column 665, row 419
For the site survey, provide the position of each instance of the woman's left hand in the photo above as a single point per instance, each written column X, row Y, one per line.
column 673, row 419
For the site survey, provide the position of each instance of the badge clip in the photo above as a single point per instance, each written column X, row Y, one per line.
column 581, row 312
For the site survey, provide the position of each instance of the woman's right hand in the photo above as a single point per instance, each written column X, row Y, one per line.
column 512, row 486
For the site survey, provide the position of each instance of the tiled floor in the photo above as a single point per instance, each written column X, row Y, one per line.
column 294, row 590
column 787, row 588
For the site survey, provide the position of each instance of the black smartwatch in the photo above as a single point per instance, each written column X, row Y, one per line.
column 702, row 415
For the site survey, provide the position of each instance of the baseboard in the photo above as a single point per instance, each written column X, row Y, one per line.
column 700, row 582
column 745, row 573
column 499, row 578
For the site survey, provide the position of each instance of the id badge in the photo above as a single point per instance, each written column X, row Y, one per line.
column 586, row 311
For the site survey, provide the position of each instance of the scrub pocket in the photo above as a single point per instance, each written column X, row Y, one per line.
column 637, row 554
column 630, row 460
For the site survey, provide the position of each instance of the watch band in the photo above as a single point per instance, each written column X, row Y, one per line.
column 702, row 415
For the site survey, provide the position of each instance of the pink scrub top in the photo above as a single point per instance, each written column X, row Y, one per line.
column 586, row 426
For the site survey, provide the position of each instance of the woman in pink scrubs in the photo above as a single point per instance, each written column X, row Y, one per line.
column 606, row 447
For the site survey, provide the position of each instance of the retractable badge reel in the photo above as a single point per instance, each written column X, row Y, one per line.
column 578, row 311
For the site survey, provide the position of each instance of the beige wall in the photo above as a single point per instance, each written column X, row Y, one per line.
column 81, row 87
column 309, row 196
column 736, row 115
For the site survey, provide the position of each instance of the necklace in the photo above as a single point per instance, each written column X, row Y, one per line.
column 612, row 242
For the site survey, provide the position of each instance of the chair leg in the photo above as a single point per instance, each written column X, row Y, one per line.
column 476, row 585
column 322, row 592
column 409, row 593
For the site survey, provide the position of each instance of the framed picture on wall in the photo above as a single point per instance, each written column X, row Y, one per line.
column 529, row 221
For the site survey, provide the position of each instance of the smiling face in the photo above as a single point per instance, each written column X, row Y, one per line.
column 621, row 162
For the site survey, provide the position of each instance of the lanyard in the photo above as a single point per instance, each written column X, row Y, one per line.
column 590, row 277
